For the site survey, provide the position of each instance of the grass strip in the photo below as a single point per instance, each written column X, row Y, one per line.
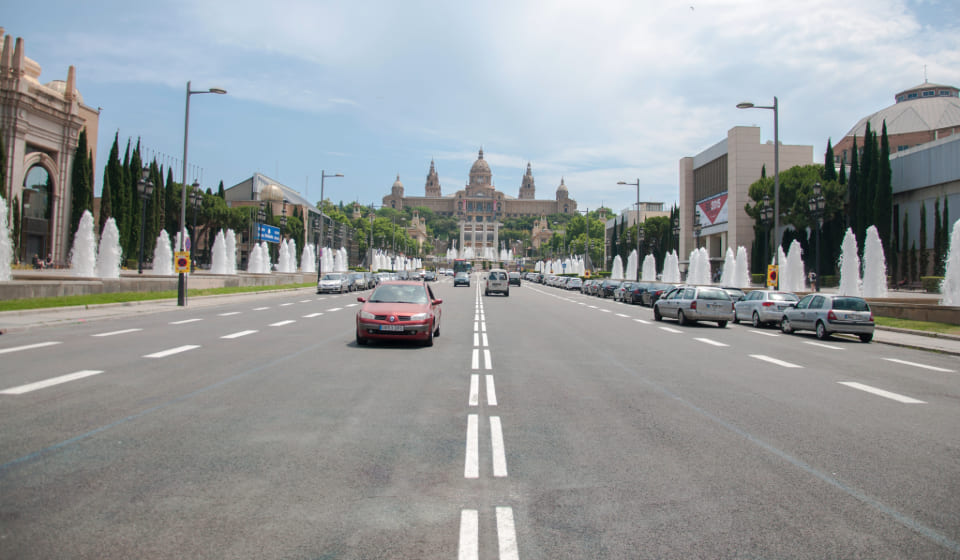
column 928, row 326
column 125, row 297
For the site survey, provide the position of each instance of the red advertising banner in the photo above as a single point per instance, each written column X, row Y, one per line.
column 714, row 209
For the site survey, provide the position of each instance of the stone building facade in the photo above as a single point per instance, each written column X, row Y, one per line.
column 41, row 125
column 479, row 206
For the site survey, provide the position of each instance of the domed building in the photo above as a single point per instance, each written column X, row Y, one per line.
column 479, row 206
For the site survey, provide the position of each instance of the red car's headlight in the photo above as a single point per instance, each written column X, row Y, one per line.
column 367, row 315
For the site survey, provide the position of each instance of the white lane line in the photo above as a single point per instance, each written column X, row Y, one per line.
column 914, row 364
column 592, row 306
column 668, row 329
column 483, row 327
column 881, row 392
column 476, row 316
column 475, row 361
column 485, row 342
column 642, row 321
column 622, row 315
column 260, row 308
column 763, row 333
column 28, row 347
column 172, row 351
column 321, row 298
column 474, row 398
column 227, row 314
column 49, row 382
column 581, row 303
column 312, row 315
column 305, row 301
column 605, row 310
column 507, row 534
column 476, row 339
column 774, row 361
column 237, row 334
column 499, row 455
column 476, row 326
column 185, row 321
column 822, row 345
column 352, row 304
column 282, row 323
column 124, row 331
column 286, row 304
column 334, row 309
column 469, row 535
column 711, row 342
column 471, row 465
column 487, row 364
column 491, row 392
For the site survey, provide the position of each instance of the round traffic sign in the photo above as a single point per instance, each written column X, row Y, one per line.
column 182, row 262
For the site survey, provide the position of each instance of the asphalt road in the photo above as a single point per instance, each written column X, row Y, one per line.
column 541, row 425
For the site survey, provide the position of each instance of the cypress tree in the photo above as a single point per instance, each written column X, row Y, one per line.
column 614, row 247
column 867, row 176
column 16, row 227
column 913, row 262
column 947, row 227
column 924, row 258
column 106, row 202
column 763, row 171
column 904, row 243
column 171, row 206
column 842, row 177
column 853, row 189
column 81, row 193
column 113, row 176
column 134, row 172
column 829, row 171
column 937, row 237
column 883, row 208
column 221, row 192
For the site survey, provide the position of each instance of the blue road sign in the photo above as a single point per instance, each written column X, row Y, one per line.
column 269, row 233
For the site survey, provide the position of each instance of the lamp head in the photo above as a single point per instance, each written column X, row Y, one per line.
column 745, row 105
column 621, row 182
column 217, row 90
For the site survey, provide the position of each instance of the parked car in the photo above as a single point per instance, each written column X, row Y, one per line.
column 513, row 278
column 430, row 276
column 461, row 279
column 634, row 293
column 655, row 292
column 689, row 304
column 497, row 282
column 574, row 283
column 761, row 307
column 736, row 294
column 620, row 294
column 358, row 282
column 337, row 282
column 399, row 310
column 827, row 314
column 607, row 287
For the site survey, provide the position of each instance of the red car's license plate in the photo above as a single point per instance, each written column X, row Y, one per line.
column 395, row 328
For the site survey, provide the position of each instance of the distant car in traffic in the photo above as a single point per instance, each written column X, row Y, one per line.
column 336, row 282
column 827, row 314
column 513, row 278
column 497, row 282
column 461, row 279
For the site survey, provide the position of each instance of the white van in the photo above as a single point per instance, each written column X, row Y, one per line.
column 497, row 281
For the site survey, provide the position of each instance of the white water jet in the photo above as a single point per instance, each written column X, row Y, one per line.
column 729, row 268
column 218, row 263
column 283, row 257
column 631, row 272
column 950, row 287
column 163, row 255
column 616, row 273
column 741, row 277
column 231, row 241
column 109, row 255
column 6, row 245
column 791, row 269
column 83, row 255
column 649, row 269
column 849, row 265
column 698, row 268
column 307, row 259
column 671, row 268
column 874, row 266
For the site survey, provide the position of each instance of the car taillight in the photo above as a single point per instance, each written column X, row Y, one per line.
column 831, row 316
column 871, row 316
column 693, row 304
column 767, row 304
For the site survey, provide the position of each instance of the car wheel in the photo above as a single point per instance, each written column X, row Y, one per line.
column 681, row 318
column 506, row 293
column 822, row 333
column 656, row 314
column 756, row 320
column 722, row 324
column 429, row 340
column 361, row 341
column 866, row 337
column 436, row 331
column 486, row 292
column 736, row 319
column 785, row 326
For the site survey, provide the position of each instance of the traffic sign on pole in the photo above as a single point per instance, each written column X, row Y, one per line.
column 772, row 275
column 181, row 262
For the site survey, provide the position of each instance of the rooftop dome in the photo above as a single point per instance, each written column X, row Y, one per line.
column 923, row 108
column 562, row 186
column 480, row 174
column 397, row 183
column 271, row 193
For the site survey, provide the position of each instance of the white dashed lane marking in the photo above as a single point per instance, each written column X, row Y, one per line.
column 471, row 466
column 474, row 398
column 711, row 342
column 507, row 534
column 881, row 392
column 172, row 351
column 312, row 315
column 774, row 361
column 228, row 314
column 670, row 330
column 914, row 364
column 113, row 333
column 260, row 308
column 764, row 333
column 334, row 309
column 28, row 347
column 49, row 382
column 282, row 323
column 822, row 345
column 491, row 392
column 185, row 321
column 499, row 453
column 237, row 334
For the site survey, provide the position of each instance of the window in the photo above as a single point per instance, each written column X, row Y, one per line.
column 805, row 302
column 902, row 148
column 817, row 302
column 912, row 95
column 944, row 93
column 928, row 93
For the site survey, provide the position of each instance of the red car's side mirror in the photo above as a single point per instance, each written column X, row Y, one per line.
column 437, row 301
column 362, row 299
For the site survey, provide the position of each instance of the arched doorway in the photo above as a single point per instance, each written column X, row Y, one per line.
column 37, row 202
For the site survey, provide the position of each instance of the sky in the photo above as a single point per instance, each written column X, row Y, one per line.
column 589, row 92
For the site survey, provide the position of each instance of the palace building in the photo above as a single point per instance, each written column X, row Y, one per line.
column 479, row 206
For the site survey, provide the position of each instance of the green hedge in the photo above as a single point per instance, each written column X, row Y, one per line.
column 931, row 284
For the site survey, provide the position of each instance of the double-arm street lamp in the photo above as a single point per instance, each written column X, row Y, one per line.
column 776, row 171
column 697, row 227
column 323, row 176
column 676, row 232
column 196, row 198
column 182, row 280
column 636, row 184
column 145, row 186
column 818, row 206
column 766, row 218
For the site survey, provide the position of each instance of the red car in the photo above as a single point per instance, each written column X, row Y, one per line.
column 399, row 310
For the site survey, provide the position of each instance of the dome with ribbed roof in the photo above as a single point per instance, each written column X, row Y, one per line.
column 271, row 193
column 480, row 174
column 923, row 108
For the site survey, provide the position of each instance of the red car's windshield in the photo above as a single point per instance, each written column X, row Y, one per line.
column 399, row 293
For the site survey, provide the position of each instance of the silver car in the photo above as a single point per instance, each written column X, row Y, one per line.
column 762, row 307
column 333, row 282
column 826, row 314
column 689, row 304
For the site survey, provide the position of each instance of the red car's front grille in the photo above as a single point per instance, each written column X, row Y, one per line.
column 385, row 317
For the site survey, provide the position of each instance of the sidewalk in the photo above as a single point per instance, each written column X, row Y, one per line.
column 19, row 321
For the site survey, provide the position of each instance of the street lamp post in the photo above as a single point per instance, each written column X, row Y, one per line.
column 676, row 232
column 776, row 171
column 818, row 206
column 766, row 218
column 196, row 197
column 323, row 176
column 182, row 279
column 697, row 228
column 636, row 184
column 145, row 186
